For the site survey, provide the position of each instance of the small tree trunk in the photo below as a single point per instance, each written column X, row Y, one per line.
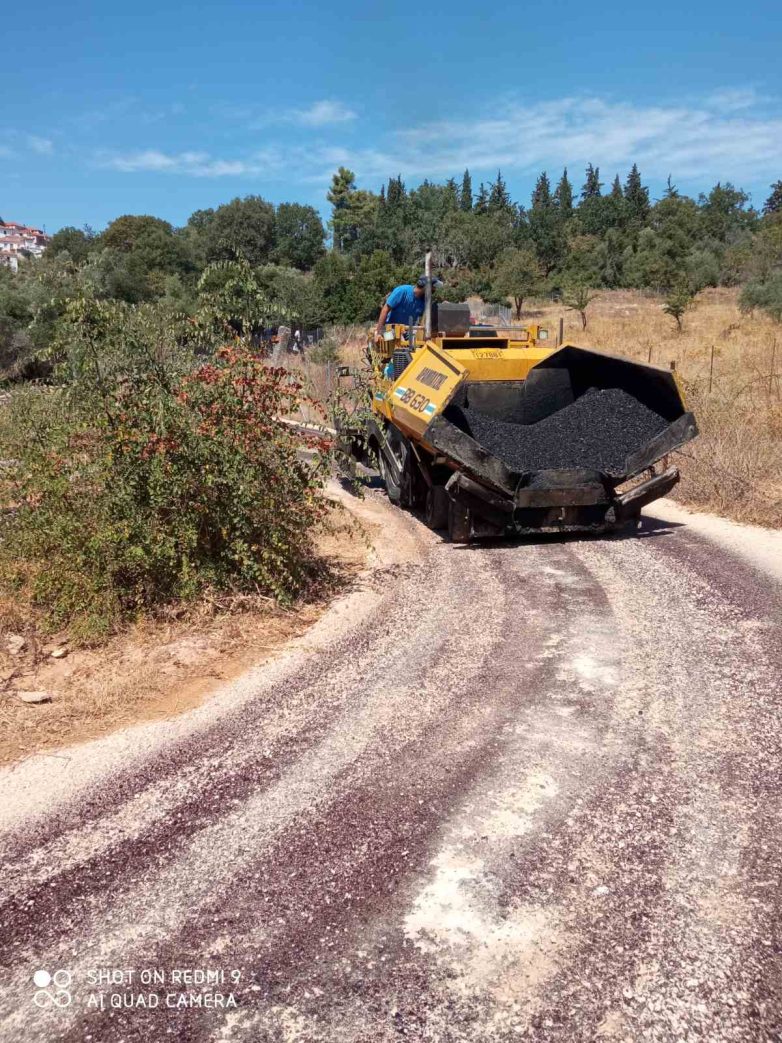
column 583, row 315
column 518, row 301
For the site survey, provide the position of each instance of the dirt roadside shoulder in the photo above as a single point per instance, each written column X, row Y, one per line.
column 759, row 546
column 163, row 669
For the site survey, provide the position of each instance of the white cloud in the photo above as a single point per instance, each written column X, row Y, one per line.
column 718, row 138
column 731, row 135
column 194, row 164
column 321, row 114
column 324, row 113
column 128, row 109
column 160, row 115
column 733, row 99
column 43, row 146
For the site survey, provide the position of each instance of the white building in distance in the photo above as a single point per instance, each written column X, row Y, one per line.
column 20, row 241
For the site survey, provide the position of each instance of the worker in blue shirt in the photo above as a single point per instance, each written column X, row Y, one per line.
column 405, row 305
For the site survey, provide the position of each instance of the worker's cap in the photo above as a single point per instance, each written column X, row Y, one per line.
column 435, row 282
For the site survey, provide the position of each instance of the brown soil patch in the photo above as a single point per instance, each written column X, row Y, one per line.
column 158, row 668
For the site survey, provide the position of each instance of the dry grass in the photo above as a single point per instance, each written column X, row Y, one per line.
column 158, row 668
column 320, row 378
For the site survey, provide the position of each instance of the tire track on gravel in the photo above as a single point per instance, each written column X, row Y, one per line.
column 375, row 844
column 183, row 865
column 541, row 802
column 704, row 674
column 634, row 919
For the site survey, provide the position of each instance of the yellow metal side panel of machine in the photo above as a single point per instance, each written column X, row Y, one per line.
column 505, row 363
column 424, row 389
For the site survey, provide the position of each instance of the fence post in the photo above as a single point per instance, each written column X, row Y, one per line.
column 771, row 374
column 711, row 369
column 650, row 353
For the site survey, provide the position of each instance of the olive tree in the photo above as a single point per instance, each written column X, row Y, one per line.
column 518, row 275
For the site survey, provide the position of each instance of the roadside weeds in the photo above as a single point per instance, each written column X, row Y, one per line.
column 157, row 668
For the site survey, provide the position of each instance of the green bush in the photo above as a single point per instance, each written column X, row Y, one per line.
column 677, row 303
column 765, row 294
column 326, row 350
column 145, row 481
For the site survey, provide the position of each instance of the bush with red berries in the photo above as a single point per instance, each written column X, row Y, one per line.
column 150, row 476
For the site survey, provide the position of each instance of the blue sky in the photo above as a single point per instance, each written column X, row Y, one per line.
column 164, row 108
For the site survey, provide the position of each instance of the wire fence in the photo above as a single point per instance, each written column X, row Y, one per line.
column 496, row 313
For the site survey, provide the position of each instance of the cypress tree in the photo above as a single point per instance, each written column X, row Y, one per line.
column 451, row 194
column 343, row 187
column 396, row 190
column 636, row 194
column 546, row 228
column 616, row 189
column 563, row 196
column 499, row 197
column 592, row 184
column 773, row 204
column 465, row 197
column 541, row 195
column 482, row 201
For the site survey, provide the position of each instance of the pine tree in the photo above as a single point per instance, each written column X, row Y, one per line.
column 773, row 204
column 592, row 184
column 563, row 196
column 671, row 191
column 396, row 190
column 382, row 195
column 499, row 197
column 636, row 194
column 465, row 197
column 482, row 200
column 541, row 195
column 451, row 194
column 546, row 227
column 616, row 189
column 343, row 186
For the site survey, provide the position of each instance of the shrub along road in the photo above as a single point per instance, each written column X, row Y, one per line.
column 497, row 792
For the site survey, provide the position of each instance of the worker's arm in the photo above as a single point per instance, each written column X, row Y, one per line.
column 382, row 319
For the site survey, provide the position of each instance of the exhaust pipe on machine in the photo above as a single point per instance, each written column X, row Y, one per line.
column 428, row 298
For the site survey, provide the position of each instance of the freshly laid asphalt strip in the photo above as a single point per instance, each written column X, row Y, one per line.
column 597, row 431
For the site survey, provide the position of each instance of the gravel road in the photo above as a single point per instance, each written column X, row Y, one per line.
column 497, row 793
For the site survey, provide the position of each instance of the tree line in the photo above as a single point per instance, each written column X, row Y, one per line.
column 568, row 240
column 247, row 249
column 598, row 236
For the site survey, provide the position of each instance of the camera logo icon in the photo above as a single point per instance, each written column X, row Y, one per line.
column 53, row 990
